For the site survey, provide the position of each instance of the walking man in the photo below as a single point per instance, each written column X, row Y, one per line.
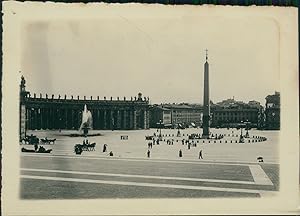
column 200, row 154
column 148, row 153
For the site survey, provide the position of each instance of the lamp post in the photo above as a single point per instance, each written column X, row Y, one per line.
column 241, row 136
column 178, row 132
column 273, row 120
column 160, row 125
column 60, row 124
column 247, row 129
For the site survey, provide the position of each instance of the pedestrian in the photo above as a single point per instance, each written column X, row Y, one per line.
column 148, row 153
column 104, row 148
column 189, row 146
column 200, row 154
column 180, row 153
column 182, row 142
column 36, row 146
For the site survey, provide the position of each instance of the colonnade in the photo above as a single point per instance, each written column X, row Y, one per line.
column 118, row 118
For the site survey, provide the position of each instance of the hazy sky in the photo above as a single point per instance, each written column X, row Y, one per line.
column 162, row 58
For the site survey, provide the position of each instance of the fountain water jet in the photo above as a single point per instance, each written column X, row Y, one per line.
column 87, row 121
column 86, row 124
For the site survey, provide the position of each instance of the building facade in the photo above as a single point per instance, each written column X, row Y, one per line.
column 45, row 112
column 180, row 114
column 160, row 117
column 272, row 112
column 231, row 113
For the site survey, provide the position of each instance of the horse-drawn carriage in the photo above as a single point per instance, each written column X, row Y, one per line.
column 40, row 150
column 47, row 141
column 30, row 140
column 79, row 148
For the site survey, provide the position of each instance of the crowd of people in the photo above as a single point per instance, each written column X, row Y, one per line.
column 189, row 142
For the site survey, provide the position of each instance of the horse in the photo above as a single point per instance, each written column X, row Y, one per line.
column 91, row 146
column 48, row 141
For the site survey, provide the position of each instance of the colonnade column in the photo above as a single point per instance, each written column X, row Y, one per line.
column 125, row 119
column 41, row 114
column 145, row 119
column 98, row 120
column 51, row 119
column 36, row 118
column 104, row 120
column 46, row 117
column 118, row 119
column 148, row 119
column 72, row 119
column 111, row 119
column 134, row 120
column 130, row 119
column 66, row 118
column 22, row 121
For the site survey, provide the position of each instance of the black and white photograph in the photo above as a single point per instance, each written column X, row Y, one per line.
column 141, row 102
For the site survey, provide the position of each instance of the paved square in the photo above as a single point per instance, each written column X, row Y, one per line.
column 129, row 174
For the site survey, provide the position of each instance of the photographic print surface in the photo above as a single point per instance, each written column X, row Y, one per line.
column 128, row 105
column 208, row 126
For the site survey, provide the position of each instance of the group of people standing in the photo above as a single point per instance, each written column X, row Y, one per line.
column 85, row 142
column 170, row 142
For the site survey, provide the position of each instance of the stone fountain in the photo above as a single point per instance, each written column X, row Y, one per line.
column 86, row 124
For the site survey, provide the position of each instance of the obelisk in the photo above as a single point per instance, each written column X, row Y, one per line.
column 206, row 105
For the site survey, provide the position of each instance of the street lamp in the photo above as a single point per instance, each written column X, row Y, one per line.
column 273, row 120
column 160, row 125
column 60, row 124
column 241, row 136
column 247, row 129
column 178, row 132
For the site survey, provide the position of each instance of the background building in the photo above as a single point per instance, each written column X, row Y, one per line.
column 160, row 116
column 45, row 112
column 231, row 113
column 272, row 112
column 184, row 115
